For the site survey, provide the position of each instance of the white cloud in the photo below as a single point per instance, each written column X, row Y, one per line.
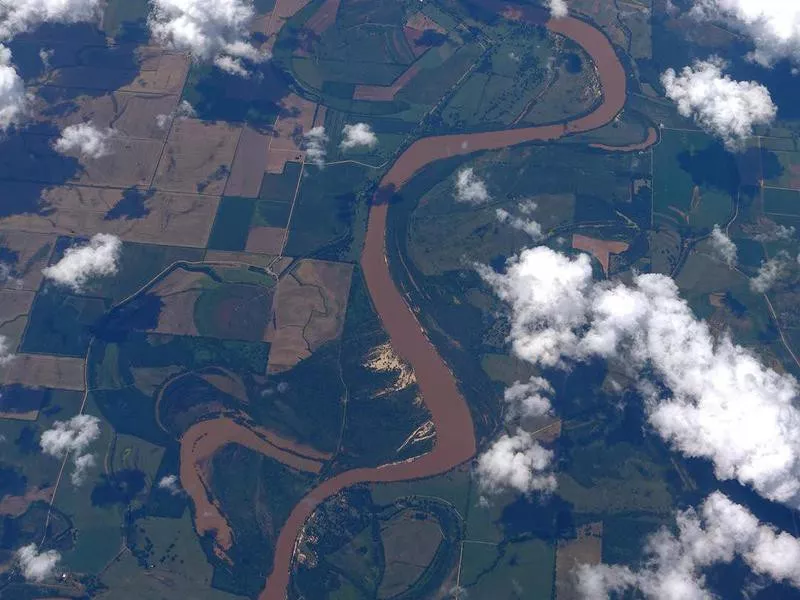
column 723, row 246
column 715, row 400
column 96, row 258
column 470, row 188
column 528, row 399
column 210, row 30
column 675, row 563
column 357, row 135
column 770, row 272
column 773, row 232
column 6, row 354
column 171, row 484
column 35, row 565
column 774, row 25
column 184, row 110
column 315, row 140
column 516, row 462
column 529, row 226
column 19, row 16
column 73, row 438
column 82, row 463
column 86, row 139
column 12, row 91
column 558, row 8
column 721, row 106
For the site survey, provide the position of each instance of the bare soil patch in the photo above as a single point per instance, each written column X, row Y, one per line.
column 197, row 157
column 385, row 93
column 161, row 72
column 600, row 249
column 249, row 164
column 14, row 506
column 585, row 549
column 265, row 240
column 33, row 251
column 308, row 311
column 131, row 114
column 271, row 23
column 169, row 219
column 43, row 370
column 296, row 119
column 178, row 292
column 321, row 20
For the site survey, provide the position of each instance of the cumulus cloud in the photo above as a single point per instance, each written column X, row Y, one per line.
column 770, row 272
column 12, row 91
column 184, row 110
column 470, row 188
column 558, row 8
column 73, row 438
column 358, row 135
column 770, row 231
column 528, row 399
column 6, row 353
column 210, row 30
column 674, row 566
column 529, row 226
column 315, row 141
column 97, row 258
column 516, row 462
column 35, row 565
column 171, row 484
column 774, row 25
column 723, row 246
column 707, row 397
column 721, row 106
column 86, row 139
column 19, row 16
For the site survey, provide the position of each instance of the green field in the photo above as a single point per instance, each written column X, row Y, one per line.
column 695, row 181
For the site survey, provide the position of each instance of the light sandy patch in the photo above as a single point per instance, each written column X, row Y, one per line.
column 197, row 157
column 383, row 359
column 249, row 164
column 585, row 549
column 265, row 240
column 43, row 370
column 308, row 311
column 173, row 218
column 600, row 249
column 198, row 446
column 14, row 506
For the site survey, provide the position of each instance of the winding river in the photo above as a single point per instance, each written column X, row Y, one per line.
column 455, row 437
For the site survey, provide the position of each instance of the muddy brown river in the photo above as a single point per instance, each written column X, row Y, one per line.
column 455, row 438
